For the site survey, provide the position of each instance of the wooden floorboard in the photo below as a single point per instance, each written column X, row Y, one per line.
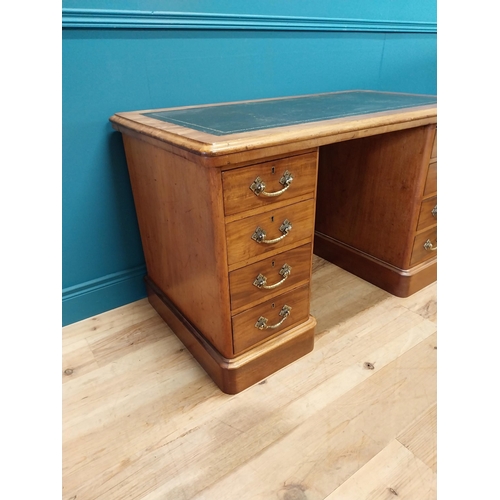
column 393, row 473
column 354, row 419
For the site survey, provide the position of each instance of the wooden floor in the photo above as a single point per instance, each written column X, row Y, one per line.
column 353, row 420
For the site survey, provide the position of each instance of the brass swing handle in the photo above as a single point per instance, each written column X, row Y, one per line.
column 262, row 322
column 258, row 186
column 260, row 235
column 428, row 246
column 434, row 211
column 261, row 280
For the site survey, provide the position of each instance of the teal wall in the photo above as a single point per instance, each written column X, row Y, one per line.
column 131, row 55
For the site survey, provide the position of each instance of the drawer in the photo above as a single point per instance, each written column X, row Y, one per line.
column 424, row 246
column 435, row 146
column 246, row 333
column 428, row 213
column 260, row 281
column 270, row 225
column 431, row 181
column 238, row 195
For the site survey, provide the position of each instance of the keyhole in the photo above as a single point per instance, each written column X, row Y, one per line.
column 272, row 218
column 272, row 305
column 272, row 263
column 272, row 170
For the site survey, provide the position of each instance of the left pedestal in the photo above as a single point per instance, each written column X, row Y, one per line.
column 238, row 298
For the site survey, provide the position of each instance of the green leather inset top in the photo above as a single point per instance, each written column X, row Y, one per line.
column 258, row 115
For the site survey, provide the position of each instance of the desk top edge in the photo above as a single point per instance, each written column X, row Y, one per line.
column 312, row 133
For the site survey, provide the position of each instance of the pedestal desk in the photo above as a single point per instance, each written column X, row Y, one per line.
column 231, row 197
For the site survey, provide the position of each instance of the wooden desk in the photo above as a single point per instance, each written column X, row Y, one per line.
column 231, row 197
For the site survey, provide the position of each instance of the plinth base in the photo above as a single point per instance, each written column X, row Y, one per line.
column 235, row 374
column 399, row 282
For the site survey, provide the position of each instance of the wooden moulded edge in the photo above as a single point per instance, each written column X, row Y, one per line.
column 302, row 136
column 399, row 282
column 236, row 374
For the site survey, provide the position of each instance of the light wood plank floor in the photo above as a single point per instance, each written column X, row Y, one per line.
column 142, row 420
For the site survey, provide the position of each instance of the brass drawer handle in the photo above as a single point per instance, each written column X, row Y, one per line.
column 262, row 322
column 260, row 235
column 428, row 246
column 258, row 186
column 434, row 211
column 261, row 280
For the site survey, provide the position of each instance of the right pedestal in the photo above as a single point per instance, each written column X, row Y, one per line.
column 376, row 209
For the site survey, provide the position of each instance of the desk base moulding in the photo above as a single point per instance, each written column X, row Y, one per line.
column 398, row 282
column 234, row 375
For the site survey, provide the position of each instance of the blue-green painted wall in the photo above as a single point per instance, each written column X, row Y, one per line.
column 161, row 59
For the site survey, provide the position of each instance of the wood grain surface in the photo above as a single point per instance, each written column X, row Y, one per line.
column 426, row 218
column 236, row 183
column 420, row 253
column 435, row 146
column 241, row 248
column 246, row 335
column 181, row 221
column 431, row 181
column 369, row 192
column 245, row 294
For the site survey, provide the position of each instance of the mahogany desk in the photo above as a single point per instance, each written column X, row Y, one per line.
column 231, row 197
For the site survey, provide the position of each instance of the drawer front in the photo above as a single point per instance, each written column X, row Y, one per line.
column 238, row 195
column 271, row 226
column 423, row 240
column 431, row 181
column 428, row 213
column 246, row 334
column 270, row 277
column 435, row 146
